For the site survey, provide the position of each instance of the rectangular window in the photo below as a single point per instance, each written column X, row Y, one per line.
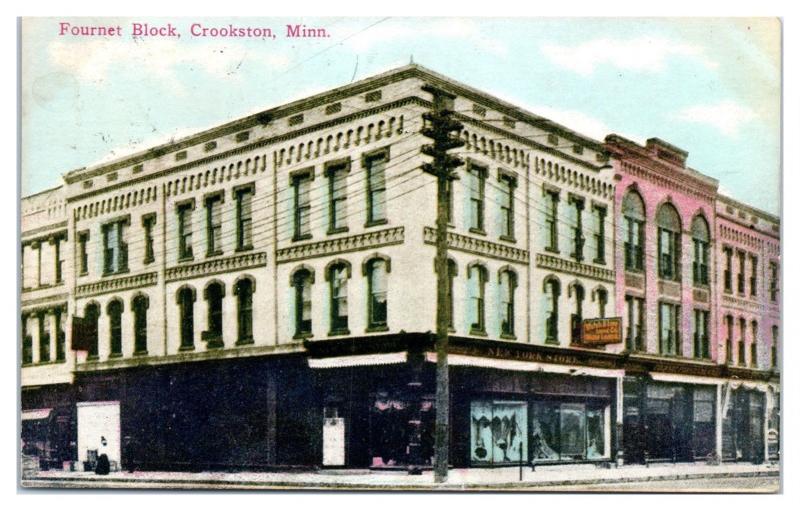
column 774, row 348
column 577, row 228
column 753, row 275
column 376, row 189
column 27, row 342
column 700, row 265
column 600, row 234
column 339, row 311
column 337, row 193
column 634, row 244
column 754, row 345
column 148, row 222
column 551, row 220
column 477, row 194
column 83, row 254
column 115, row 250
column 185, row 230
column 634, row 333
column 742, row 340
column 740, row 275
column 669, row 338
column 61, row 336
column 668, row 254
column 701, row 344
column 728, row 273
column 214, row 225
column 507, row 186
column 44, row 338
column 302, row 206
column 773, row 281
column 729, row 339
column 244, row 218
column 58, row 261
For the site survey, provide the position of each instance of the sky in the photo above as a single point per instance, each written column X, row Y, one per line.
column 711, row 86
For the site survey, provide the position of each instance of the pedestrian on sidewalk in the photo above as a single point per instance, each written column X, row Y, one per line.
column 103, row 467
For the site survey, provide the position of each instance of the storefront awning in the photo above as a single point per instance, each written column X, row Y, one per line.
column 37, row 414
column 358, row 360
column 518, row 365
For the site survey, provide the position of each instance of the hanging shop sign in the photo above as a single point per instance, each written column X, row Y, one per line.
column 601, row 331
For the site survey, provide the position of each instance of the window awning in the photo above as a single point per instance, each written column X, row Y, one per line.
column 358, row 360
column 519, row 365
column 36, row 414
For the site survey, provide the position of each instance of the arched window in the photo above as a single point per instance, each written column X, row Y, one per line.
column 338, row 275
column 552, row 290
column 186, row 298
column 244, row 289
column 302, row 280
column 633, row 225
column 92, row 315
column 377, row 270
column 700, row 241
column 140, row 306
column 577, row 314
column 669, row 242
column 214, row 293
column 115, row 327
column 508, row 286
column 477, row 276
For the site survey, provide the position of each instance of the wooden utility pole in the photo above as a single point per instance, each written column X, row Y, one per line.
column 440, row 127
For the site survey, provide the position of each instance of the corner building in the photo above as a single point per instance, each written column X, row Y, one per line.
column 262, row 294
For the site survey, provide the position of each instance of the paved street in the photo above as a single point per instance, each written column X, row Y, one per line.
column 722, row 485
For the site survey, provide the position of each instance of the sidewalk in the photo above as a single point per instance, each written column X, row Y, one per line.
column 459, row 479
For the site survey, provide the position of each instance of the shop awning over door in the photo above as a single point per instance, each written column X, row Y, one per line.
column 358, row 360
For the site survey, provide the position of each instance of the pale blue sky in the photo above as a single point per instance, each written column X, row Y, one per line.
column 710, row 86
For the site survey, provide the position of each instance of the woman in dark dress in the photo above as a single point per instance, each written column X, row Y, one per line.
column 103, row 467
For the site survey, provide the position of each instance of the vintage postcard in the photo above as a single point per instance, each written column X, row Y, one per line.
column 518, row 254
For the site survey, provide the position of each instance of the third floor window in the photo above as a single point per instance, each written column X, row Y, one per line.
column 185, row 230
column 214, row 224
column 669, row 242
column 633, row 231
column 115, row 249
column 700, row 242
column 477, row 196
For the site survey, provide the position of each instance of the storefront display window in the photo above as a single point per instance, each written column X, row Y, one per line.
column 390, row 430
column 499, row 432
column 569, row 431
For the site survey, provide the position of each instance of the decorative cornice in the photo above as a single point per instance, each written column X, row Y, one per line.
column 215, row 266
column 367, row 240
column 27, row 235
column 29, row 306
column 118, row 284
column 554, row 263
column 478, row 246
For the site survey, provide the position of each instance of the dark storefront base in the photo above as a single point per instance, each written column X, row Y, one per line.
column 743, row 426
column 50, row 435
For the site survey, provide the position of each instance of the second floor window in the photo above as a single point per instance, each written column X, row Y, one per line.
column 552, row 290
column 740, row 256
column 729, row 339
column 59, row 262
column 742, row 341
column 700, row 241
column 508, row 286
column 92, row 316
column 377, row 311
column 634, row 332
column 337, row 198
column 338, row 276
column 140, row 306
column 148, row 223
column 576, row 319
column 115, row 250
column 214, row 225
column 186, row 299
column 727, row 276
column 477, row 298
column 753, row 275
column 376, row 188
column 507, row 186
column 61, row 336
column 44, row 338
column 669, row 331
column 477, row 198
column 302, row 281
column 774, row 348
column 185, row 230
column 754, row 345
column 669, row 242
column 551, row 220
column 700, row 334
column 302, row 206
column 83, row 252
column 773, row 281
column 214, row 294
column 115, row 328
column 244, row 217
column 244, row 289
column 576, row 219
column 633, row 231
column 599, row 234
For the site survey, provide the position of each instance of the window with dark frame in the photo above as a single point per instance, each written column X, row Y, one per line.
column 27, row 342
column 551, row 220
column 669, row 331
column 634, row 334
column 337, row 197
column 742, row 341
column 140, row 305
column 302, row 287
column 508, row 287
column 61, row 336
column 59, row 262
column 508, row 184
column 477, row 298
column 754, row 344
column 186, row 303
column 602, row 302
column 148, row 222
column 376, row 188
column 115, row 328
column 244, row 301
column 244, row 217
column 185, row 230
column 633, row 225
column 577, row 229
column 577, row 315
column 700, row 242
column 214, row 224
column 115, row 249
column 740, row 255
column 83, row 254
column 774, row 348
column 727, row 276
column 729, row 339
column 552, row 291
column 669, row 243
column 477, row 198
column 214, row 294
column 377, row 272
column 338, row 277
column 302, row 205
column 44, row 337
column 599, row 234
column 773, row 281
column 753, row 275
column 92, row 316
column 701, row 342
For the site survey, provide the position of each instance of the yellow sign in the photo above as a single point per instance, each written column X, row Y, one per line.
column 601, row 331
